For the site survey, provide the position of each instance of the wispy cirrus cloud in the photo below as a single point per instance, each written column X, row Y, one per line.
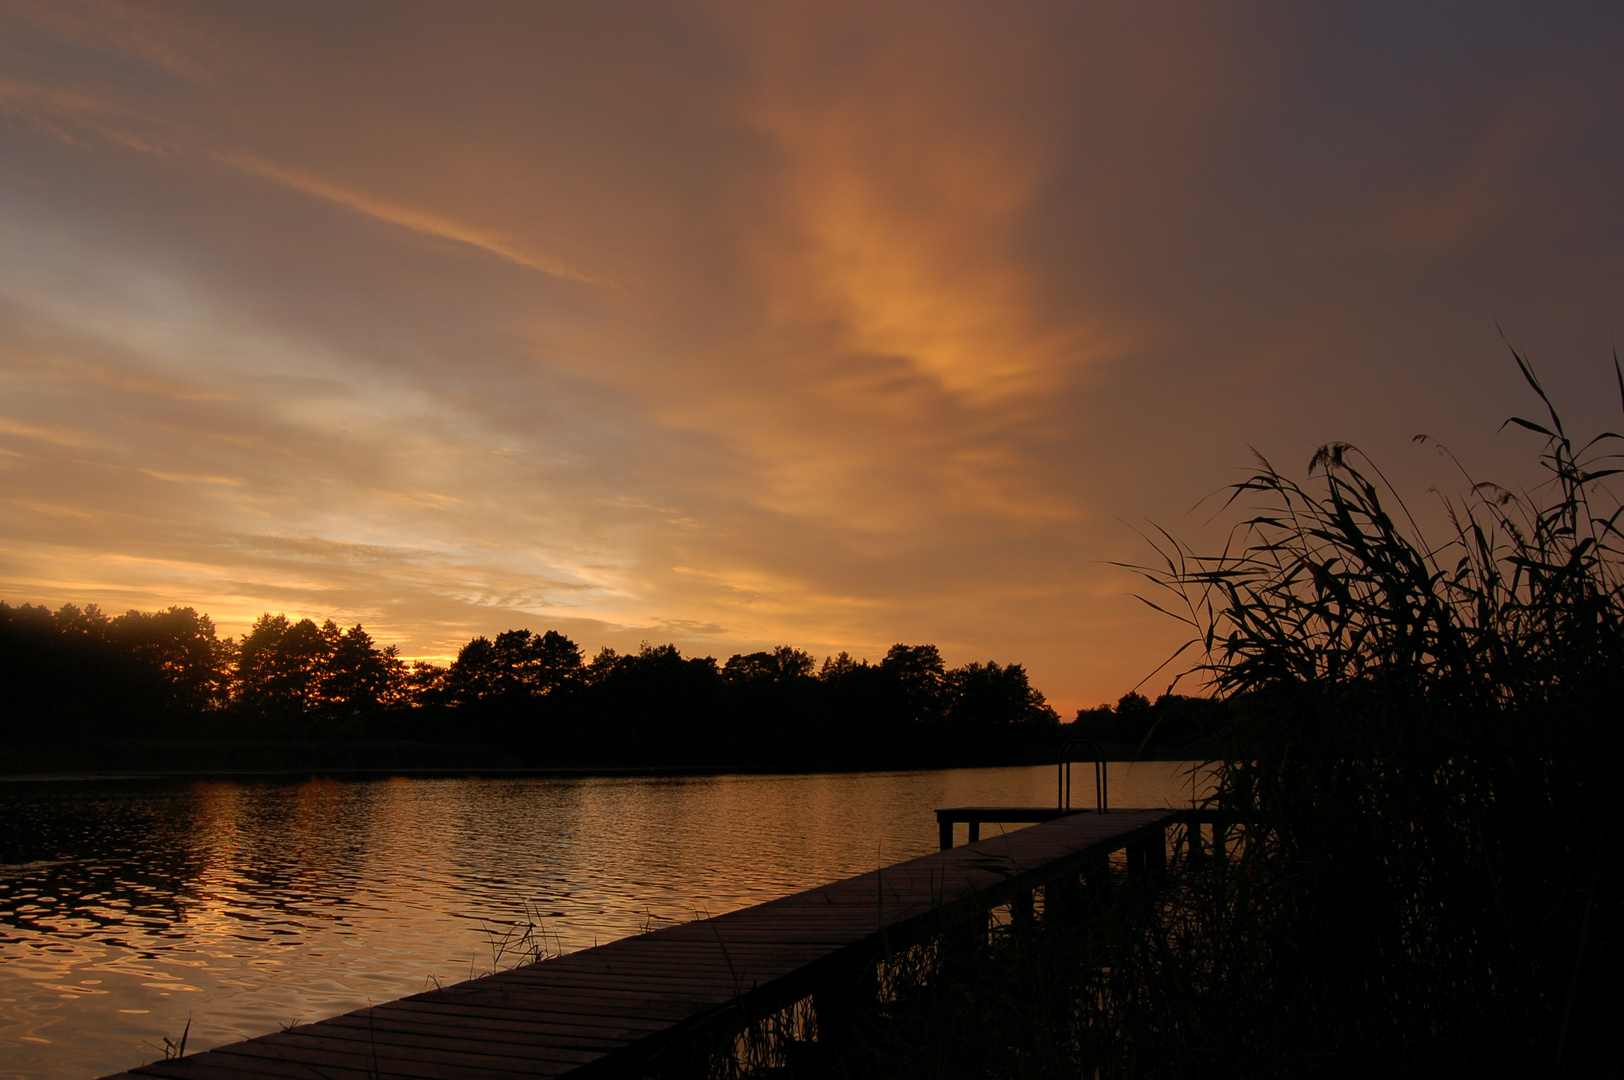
column 491, row 242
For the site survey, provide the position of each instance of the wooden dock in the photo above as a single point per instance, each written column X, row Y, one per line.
column 977, row 816
column 659, row 1001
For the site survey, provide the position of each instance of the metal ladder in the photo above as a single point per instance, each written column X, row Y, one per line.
column 1063, row 781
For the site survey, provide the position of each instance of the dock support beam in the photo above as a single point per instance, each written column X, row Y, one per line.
column 1023, row 910
column 1149, row 854
column 944, row 831
column 843, row 1005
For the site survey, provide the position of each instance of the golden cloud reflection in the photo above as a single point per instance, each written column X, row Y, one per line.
column 248, row 906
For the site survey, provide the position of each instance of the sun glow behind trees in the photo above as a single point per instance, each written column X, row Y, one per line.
column 533, row 697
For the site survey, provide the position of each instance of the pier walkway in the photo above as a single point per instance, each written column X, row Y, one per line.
column 658, row 1001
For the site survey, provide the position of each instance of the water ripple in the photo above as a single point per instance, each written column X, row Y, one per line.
column 129, row 908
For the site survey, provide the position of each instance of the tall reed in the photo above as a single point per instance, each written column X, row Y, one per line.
column 1424, row 753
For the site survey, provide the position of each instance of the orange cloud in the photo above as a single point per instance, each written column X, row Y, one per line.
column 835, row 325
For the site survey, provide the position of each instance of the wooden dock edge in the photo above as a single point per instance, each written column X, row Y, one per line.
column 799, row 945
column 689, row 1044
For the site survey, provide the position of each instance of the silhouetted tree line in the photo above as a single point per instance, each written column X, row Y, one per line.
column 1172, row 724
column 529, row 698
column 67, row 672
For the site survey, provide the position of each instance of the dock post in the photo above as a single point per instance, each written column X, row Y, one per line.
column 1148, row 855
column 1023, row 910
column 975, row 830
column 1097, row 876
column 843, row 1004
column 963, row 936
column 944, row 830
column 1156, row 851
column 1192, row 840
column 1064, row 901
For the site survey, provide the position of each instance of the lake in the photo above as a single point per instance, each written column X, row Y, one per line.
column 130, row 907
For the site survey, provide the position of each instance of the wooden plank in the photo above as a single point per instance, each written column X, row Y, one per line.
column 632, row 1013
column 656, row 981
column 385, row 1049
column 957, row 814
column 562, row 999
column 533, row 1042
column 257, row 1054
column 213, row 1066
column 540, row 1001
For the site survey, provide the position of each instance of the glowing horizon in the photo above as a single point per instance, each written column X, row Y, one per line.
column 829, row 326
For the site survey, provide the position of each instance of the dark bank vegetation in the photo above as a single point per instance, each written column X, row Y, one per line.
column 1425, row 745
column 165, row 690
column 1423, row 751
column 1418, row 766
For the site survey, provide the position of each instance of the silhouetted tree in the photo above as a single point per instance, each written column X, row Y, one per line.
column 783, row 664
column 840, row 667
column 425, row 684
column 652, row 705
column 557, row 662
column 58, row 675
column 518, row 664
column 775, row 708
column 916, row 673
column 71, row 622
column 982, row 697
column 1138, row 725
column 1132, row 703
column 75, row 672
column 280, row 667
column 476, row 674
column 190, row 667
column 359, row 678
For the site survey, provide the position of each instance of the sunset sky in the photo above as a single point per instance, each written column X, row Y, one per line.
column 740, row 325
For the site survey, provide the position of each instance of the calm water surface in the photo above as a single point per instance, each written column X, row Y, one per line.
column 129, row 907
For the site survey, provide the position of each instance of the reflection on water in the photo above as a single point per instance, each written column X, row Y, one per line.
column 128, row 908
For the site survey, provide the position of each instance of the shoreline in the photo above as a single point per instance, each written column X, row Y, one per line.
column 499, row 771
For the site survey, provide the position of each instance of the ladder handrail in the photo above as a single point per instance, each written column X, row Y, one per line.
column 1063, row 781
